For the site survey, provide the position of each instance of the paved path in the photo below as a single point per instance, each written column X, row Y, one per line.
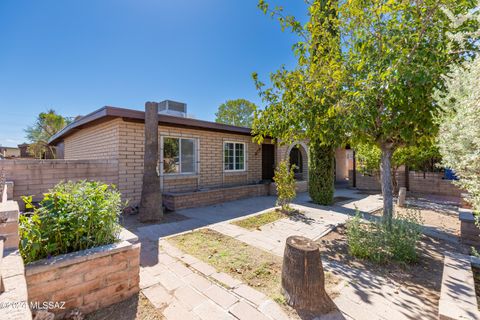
column 186, row 288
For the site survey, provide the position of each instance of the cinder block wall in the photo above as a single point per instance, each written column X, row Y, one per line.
column 432, row 183
column 35, row 177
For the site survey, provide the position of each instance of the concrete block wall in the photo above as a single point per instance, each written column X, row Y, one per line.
column 469, row 232
column 13, row 288
column 432, row 183
column 88, row 280
column 35, row 177
column 9, row 215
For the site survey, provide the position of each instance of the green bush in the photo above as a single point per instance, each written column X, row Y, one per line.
column 285, row 180
column 71, row 217
column 321, row 173
column 375, row 242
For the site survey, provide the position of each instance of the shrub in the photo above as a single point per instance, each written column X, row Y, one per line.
column 373, row 241
column 71, row 217
column 321, row 173
column 285, row 181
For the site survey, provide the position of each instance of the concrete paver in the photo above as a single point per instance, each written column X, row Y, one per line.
column 187, row 286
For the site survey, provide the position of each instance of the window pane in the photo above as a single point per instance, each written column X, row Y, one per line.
column 171, row 155
column 188, row 155
column 239, row 156
column 228, row 157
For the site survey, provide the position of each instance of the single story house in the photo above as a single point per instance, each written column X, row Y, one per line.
column 9, row 152
column 201, row 162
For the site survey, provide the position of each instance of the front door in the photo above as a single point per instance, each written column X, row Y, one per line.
column 268, row 161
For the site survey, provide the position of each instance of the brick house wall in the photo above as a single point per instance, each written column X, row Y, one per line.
column 124, row 140
column 96, row 142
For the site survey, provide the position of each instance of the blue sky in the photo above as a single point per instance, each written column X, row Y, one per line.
column 77, row 56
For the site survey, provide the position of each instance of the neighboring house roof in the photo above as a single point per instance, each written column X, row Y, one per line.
column 107, row 113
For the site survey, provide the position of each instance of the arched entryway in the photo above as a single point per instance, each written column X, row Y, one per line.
column 297, row 161
column 298, row 156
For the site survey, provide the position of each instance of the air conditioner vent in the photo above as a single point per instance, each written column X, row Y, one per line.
column 173, row 108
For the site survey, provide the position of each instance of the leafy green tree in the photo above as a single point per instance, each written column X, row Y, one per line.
column 424, row 156
column 395, row 54
column 459, row 133
column 237, row 112
column 47, row 124
column 305, row 103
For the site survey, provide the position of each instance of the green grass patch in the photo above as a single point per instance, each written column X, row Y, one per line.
column 255, row 222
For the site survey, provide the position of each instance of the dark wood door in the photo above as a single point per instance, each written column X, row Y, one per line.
column 268, row 161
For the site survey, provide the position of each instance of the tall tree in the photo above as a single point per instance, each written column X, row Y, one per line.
column 150, row 208
column 395, row 54
column 305, row 103
column 47, row 124
column 459, row 134
column 237, row 112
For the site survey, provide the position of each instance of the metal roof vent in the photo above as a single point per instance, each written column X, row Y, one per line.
column 173, row 108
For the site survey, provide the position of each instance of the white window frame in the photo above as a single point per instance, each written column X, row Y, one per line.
column 234, row 163
column 195, row 156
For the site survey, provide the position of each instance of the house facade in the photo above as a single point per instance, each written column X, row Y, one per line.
column 196, row 157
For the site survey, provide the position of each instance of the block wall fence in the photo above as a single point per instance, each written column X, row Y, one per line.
column 419, row 182
column 35, row 177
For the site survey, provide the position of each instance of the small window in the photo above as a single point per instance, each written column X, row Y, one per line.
column 178, row 155
column 234, row 156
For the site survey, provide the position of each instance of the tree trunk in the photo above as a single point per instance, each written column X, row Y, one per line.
column 151, row 200
column 303, row 280
column 321, row 173
column 387, row 185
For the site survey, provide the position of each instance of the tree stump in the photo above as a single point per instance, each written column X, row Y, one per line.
column 303, row 280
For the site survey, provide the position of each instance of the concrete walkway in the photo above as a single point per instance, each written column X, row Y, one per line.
column 186, row 288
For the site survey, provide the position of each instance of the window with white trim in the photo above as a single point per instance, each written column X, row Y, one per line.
column 234, row 156
column 178, row 155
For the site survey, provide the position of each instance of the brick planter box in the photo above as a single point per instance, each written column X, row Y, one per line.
column 89, row 279
column 457, row 296
column 183, row 200
column 469, row 232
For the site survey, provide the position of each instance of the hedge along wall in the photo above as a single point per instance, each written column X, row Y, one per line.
column 36, row 177
column 428, row 183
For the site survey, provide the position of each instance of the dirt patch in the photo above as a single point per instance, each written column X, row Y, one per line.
column 423, row 278
column 137, row 307
column 257, row 268
column 443, row 218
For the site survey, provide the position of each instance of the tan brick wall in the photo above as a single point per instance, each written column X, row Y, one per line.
column 283, row 152
column 89, row 284
column 96, row 142
column 124, row 140
column 210, row 160
column 35, row 177
column 430, row 183
column 176, row 201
